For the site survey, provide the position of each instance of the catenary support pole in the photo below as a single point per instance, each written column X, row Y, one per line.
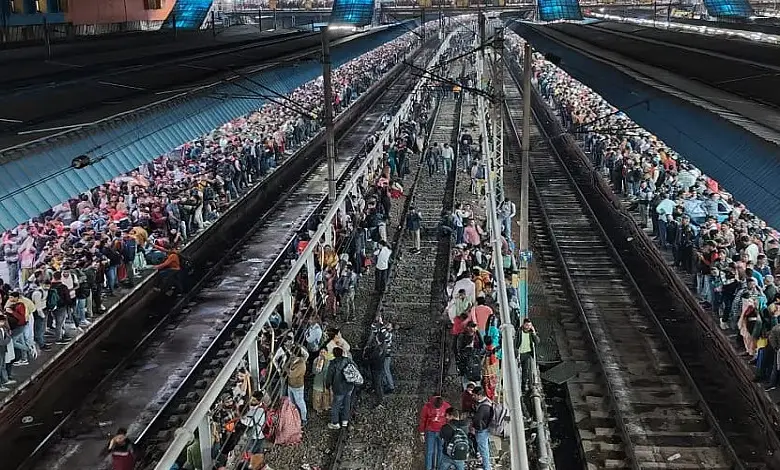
column 47, row 38
column 524, row 177
column 330, row 146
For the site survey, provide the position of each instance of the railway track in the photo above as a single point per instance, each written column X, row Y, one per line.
column 413, row 302
column 166, row 375
column 634, row 401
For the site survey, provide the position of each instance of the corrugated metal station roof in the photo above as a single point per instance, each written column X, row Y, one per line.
column 40, row 178
column 715, row 139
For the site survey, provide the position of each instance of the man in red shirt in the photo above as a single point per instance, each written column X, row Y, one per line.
column 431, row 421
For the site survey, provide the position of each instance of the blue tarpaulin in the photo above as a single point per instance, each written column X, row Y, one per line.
column 40, row 177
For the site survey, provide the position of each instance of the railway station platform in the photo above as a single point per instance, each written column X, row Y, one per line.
column 252, row 360
column 64, row 186
column 309, row 308
column 239, row 206
column 617, row 165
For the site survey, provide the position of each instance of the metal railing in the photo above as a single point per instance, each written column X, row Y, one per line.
column 199, row 418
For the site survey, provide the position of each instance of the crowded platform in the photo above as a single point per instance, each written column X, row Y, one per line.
column 65, row 266
column 730, row 254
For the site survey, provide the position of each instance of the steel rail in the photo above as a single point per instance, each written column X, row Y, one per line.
column 184, row 433
column 274, row 266
column 344, row 437
column 644, row 305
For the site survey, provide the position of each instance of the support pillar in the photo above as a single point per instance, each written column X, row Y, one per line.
column 330, row 145
column 287, row 307
column 204, row 439
column 254, row 362
column 524, row 181
column 310, row 278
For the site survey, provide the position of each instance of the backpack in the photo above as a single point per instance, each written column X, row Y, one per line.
column 53, row 299
column 343, row 284
column 30, row 289
column 208, row 194
column 128, row 250
column 481, row 172
column 378, row 350
column 352, row 374
column 472, row 365
column 499, row 416
column 458, row 447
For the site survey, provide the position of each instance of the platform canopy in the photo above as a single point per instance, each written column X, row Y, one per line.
column 352, row 12
column 729, row 8
column 556, row 10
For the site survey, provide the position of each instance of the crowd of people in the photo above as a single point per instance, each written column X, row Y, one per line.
column 456, row 433
column 306, row 365
column 731, row 253
column 63, row 264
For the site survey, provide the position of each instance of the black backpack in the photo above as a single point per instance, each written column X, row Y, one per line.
column 471, row 365
column 458, row 446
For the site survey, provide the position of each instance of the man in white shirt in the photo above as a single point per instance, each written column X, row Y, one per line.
column 448, row 155
column 507, row 211
column 663, row 209
column 382, row 254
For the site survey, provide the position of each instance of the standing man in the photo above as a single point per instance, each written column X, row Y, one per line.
column 664, row 208
column 382, row 275
column 11, row 254
column 432, row 419
column 296, row 374
column 413, row 224
column 455, row 441
column 507, row 211
column 528, row 341
column 448, row 155
column 57, row 304
column 481, row 423
column 341, row 389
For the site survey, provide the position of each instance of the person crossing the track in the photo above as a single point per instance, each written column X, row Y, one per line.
column 480, row 422
column 455, row 442
column 448, row 156
column 414, row 225
column 431, row 157
column 337, row 381
column 432, row 418
column 122, row 451
column 296, row 373
column 507, row 211
column 528, row 341
column 382, row 274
